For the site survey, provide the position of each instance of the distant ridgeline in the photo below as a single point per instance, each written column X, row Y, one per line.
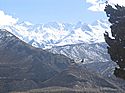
column 116, row 45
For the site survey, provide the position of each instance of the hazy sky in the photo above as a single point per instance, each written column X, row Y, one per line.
column 43, row 11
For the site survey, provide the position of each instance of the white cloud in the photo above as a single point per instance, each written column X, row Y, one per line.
column 92, row 1
column 7, row 19
column 99, row 5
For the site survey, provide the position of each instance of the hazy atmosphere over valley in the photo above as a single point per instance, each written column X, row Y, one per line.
column 62, row 46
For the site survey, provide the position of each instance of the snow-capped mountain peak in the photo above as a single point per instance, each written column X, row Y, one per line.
column 58, row 34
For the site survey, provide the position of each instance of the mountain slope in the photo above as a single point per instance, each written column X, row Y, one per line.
column 95, row 52
column 23, row 66
column 94, row 56
column 76, row 75
column 77, row 80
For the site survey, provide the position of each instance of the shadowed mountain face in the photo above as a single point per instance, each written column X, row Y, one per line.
column 77, row 76
column 23, row 67
column 79, row 79
column 22, row 62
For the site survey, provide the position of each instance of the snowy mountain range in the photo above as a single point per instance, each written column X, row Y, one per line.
column 79, row 41
column 94, row 56
column 58, row 34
